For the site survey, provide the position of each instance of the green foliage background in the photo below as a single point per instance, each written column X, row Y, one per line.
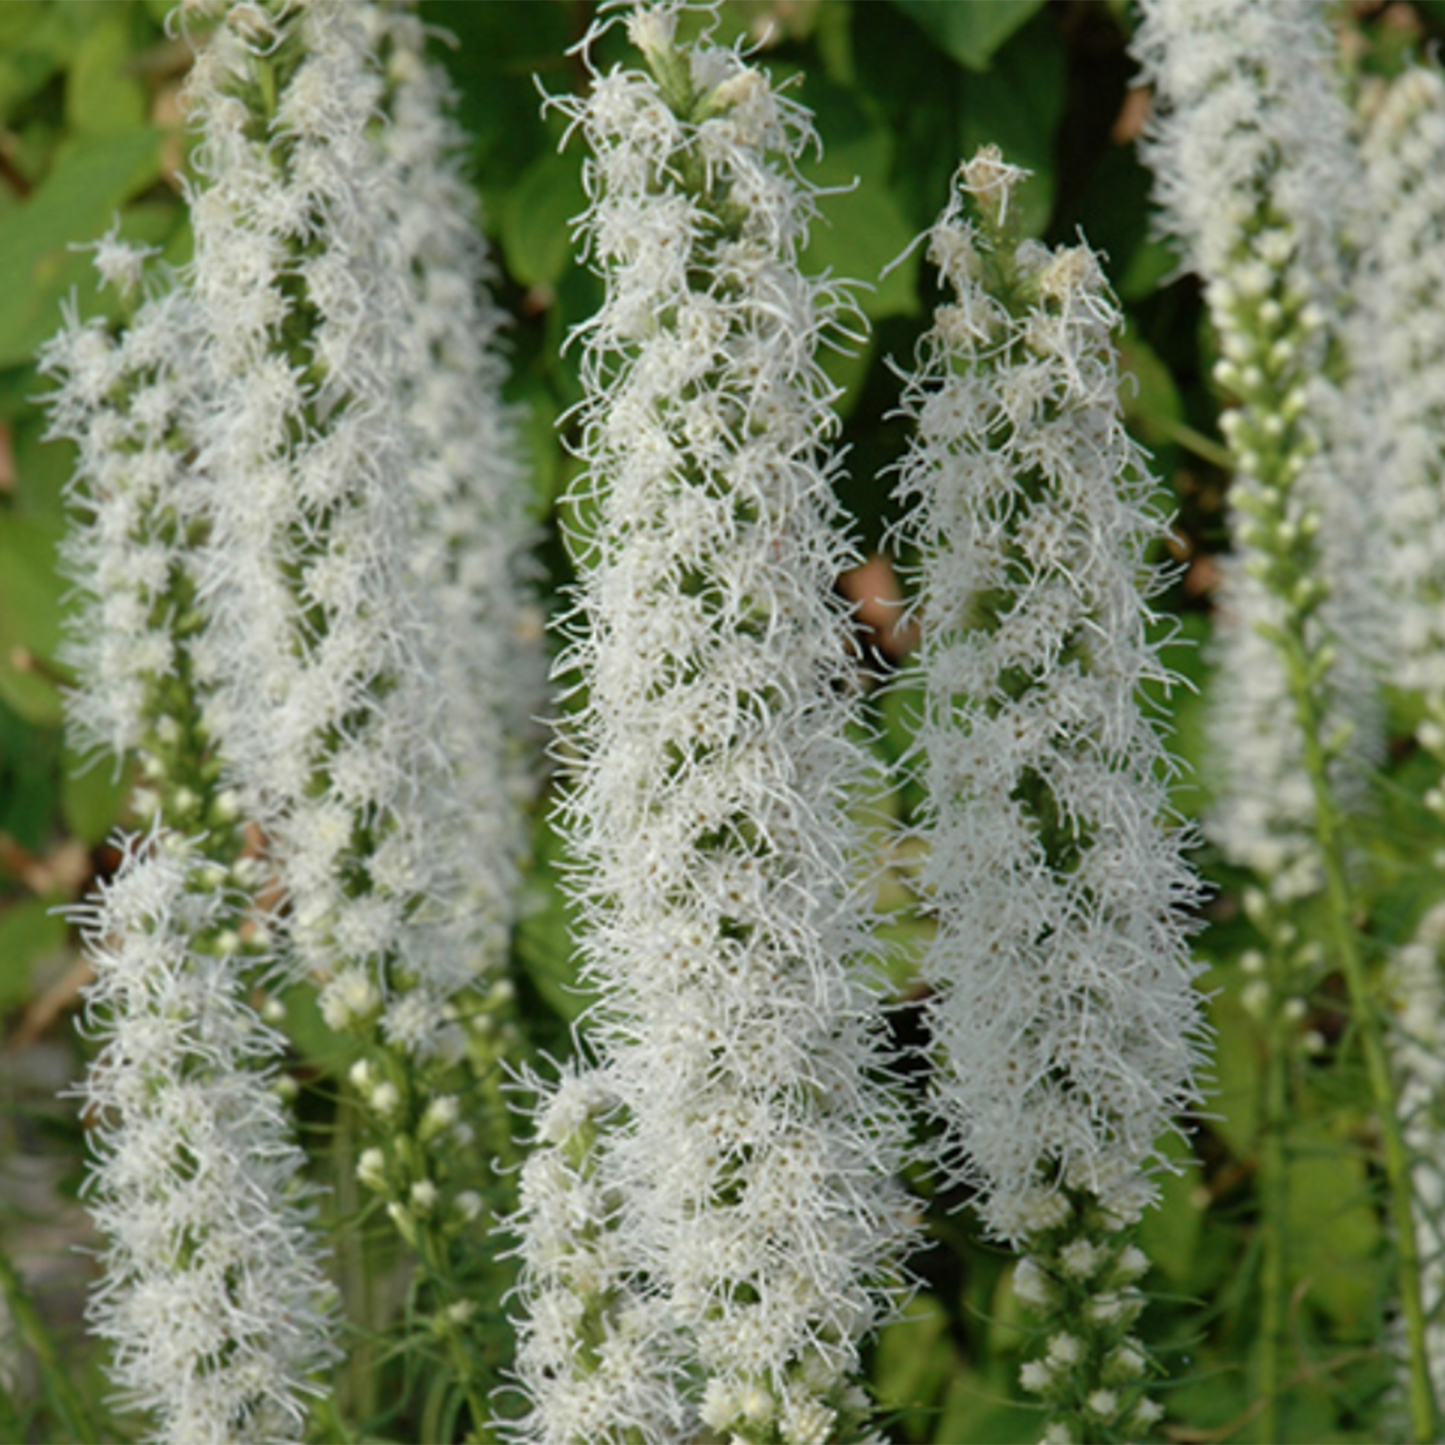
column 91, row 132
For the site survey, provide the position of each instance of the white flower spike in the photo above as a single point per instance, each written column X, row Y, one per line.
column 753, row 1148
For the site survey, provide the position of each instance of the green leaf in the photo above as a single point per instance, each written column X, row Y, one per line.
column 100, row 97
column 970, row 30
column 75, row 204
column 29, row 931
column 1016, row 105
column 92, row 794
column 861, row 228
column 31, row 594
column 1334, row 1231
column 915, row 1362
column 536, row 220
column 1152, row 405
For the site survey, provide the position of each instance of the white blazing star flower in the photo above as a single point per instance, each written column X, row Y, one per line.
column 212, row 1298
column 472, row 529
column 317, row 659
column 1066, row 1026
column 1250, row 146
column 1404, row 151
column 126, row 402
column 753, row 1148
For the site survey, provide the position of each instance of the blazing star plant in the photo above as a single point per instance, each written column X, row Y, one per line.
column 587, row 955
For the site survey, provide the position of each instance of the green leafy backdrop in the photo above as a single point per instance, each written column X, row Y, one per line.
column 91, row 136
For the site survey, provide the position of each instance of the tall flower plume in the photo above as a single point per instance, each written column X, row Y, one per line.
column 1064, row 1023
column 211, row 1292
column 751, row 1148
column 316, row 649
column 299, row 553
column 1254, row 175
column 212, row 1297
column 1259, row 181
column 1404, row 151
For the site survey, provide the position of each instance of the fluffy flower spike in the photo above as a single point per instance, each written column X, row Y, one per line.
column 213, row 1299
column 1066, row 1026
column 752, row 1147
column 1258, row 184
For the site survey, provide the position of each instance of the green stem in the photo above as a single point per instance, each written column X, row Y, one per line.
column 59, row 1391
column 1274, row 1180
column 435, row 1257
column 1329, row 834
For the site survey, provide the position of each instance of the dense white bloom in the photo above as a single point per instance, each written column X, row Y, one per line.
column 1404, row 275
column 752, row 1150
column 472, row 530
column 318, row 456
column 1419, row 1060
column 212, row 1299
column 1065, row 1024
column 1250, row 145
column 592, row 1352
column 126, row 401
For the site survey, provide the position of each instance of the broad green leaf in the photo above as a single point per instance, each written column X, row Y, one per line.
column 1334, row 1231
column 29, row 931
column 1151, row 401
column 970, row 30
column 973, row 1411
column 31, row 592
column 76, row 204
column 92, row 795
column 914, row 1364
column 1169, row 1233
column 536, row 220
column 861, row 229
column 100, row 97
column 1016, row 105
column 34, row 43
column 320, row 1046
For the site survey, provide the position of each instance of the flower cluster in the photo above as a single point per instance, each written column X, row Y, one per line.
column 471, row 532
column 314, row 658
column 1403, row 149
column 1063, row 1014
column 1251, row 154
column 752, row 1146
column 1419, row 1061
column 298, row 551
column 125, row 402
column 213, row 1298
column 1064, row 1025
column 584, row 1307
column 1080, row 1281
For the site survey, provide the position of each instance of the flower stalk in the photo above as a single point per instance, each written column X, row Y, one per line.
column 753, row 1147
column 1065, row 1027
column 1271, row 237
